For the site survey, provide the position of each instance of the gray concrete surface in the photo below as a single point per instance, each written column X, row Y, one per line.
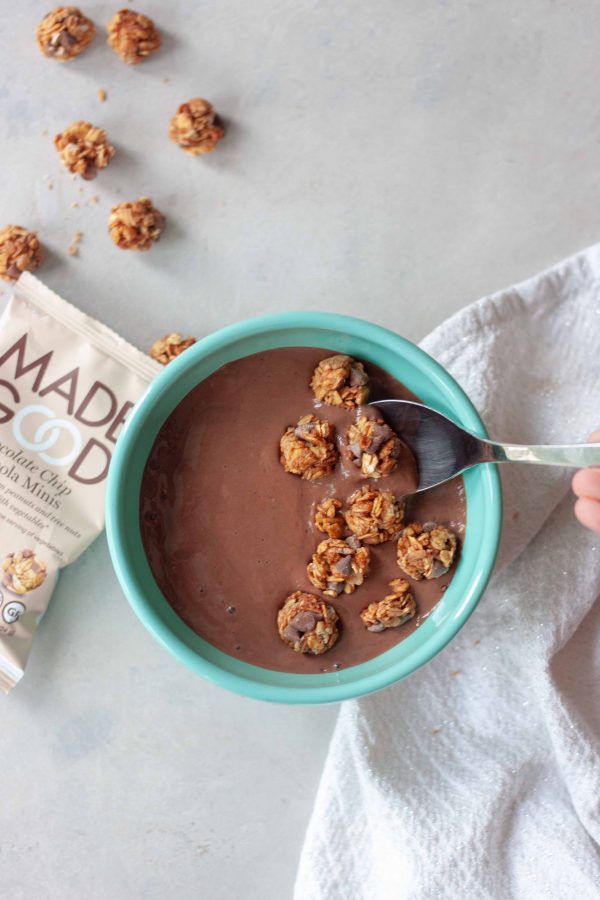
column 391, row 159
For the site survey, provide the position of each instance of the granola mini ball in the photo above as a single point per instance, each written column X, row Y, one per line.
column 132, row 36
column 307, row 449
column 373, row 447
column 84, row 149
column 167, row 348
column 338, row 566
column 307, row 624
column 20, row 251
column 374, row 516
column 340, row 381
column 64, row 33
column 23, row 571
column 136, row 225
column 395, row 609
column 426, row 551
column 195, row 127
column 328, row 518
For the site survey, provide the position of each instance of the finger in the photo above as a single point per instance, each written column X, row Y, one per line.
column 594, row 437
column 586, row 483
column 588, row 513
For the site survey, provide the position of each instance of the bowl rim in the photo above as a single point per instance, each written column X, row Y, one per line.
column 118, row 473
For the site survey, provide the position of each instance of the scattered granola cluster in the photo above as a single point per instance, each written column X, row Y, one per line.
column 84, row 149
column 307, row 449
column 395, row 609
column 64, row 33
column 195, row 127
column 374, row 516
column 23, row 571
column 136, row 225
column 340, row 381
column 20, row 251
column 373, row 447
column 307, row 624
column 328, row 519
column 338, row 566
column 426, row 551
column 167, row 348
column 132, row 36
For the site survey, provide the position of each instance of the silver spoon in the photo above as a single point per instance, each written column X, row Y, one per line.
column 442, row 449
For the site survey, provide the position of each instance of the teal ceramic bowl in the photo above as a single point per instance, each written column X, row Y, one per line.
column 368, row 342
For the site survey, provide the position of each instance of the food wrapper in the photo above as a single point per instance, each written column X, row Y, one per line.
column 67, row 384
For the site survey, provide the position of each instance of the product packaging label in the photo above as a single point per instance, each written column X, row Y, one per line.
column 67, row 384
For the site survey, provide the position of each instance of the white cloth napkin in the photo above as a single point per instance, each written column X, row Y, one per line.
column 479, row 776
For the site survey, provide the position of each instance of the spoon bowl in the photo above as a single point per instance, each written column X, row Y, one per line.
column 442, row 449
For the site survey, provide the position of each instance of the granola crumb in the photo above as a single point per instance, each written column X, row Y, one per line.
column 327, row 518
column 73, row 250
column 132, row 36
column 338, row 566
column 307, row 449
column 167, row 348
column 64, row 33
column 93, row 198
column 75, row 204
column 374, row 516
column 20, row 251
column 455, row 673
column 101, row 95
column 307, row 624
column 50, row 186
column 135, row 225
column 426, row 551
column 373, row 447
column 195, row 127
column 435, row 730
column 340, row 381
column 515, row 515
column 478, row 641
column 84, row 149
column 395, row 609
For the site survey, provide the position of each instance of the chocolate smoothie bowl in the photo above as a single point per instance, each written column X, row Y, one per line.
column 262, row 518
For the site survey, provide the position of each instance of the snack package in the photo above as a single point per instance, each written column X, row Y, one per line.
column 67, row 384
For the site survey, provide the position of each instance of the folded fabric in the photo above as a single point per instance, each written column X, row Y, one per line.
column 479, row 775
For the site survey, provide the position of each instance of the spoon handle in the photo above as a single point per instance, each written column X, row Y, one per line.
column 576, row 455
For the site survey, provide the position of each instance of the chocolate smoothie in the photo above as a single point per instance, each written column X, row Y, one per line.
column 228, row 532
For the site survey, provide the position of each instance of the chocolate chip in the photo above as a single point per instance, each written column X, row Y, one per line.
column 357, row 377
column 381, row 434
column 305, row 621
column 343, row 566
column 89, row 173
column 66, row 40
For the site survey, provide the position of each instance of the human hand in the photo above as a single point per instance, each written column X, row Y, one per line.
column 586, row 485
